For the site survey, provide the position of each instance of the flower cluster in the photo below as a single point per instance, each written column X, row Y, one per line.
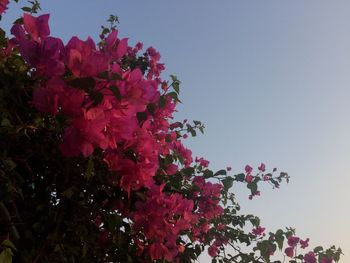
column 110, row 102
column 120, row 111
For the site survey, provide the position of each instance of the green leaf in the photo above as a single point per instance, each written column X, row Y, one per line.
column 141, row 116
column 255, row 221
column 253, row 187
column 220, row 172
column 189, row 171
column 90, row 169
column 96, row 98
column 176, row 87
column 240, row 177
column 103, row 75
column 116, row 76
column 18, row 21
column 279, row 240
column 27, row 9
column 227, row 182
column 318, row 249
column 208, row 173
column 6, row 256
column 6, row 123
column 151, row 107
column 9, row 244
column 116, row 92
column 197, row 122
column 9, row 164
column 173, row 78
column 191, row 130
column 105, row 31
column 174, row 96
column 162, row 101
column 82, row 83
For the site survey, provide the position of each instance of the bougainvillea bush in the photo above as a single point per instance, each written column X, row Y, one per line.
column 93, row 167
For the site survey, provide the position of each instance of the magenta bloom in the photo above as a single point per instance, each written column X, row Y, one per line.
column 326, row 260
column 293, row 241
column 248, row 169
column 289, row 251
column 304, row 243
column 262, row 167
column 3, row 5
column 37, row 27
column 310, row 257
column 213, row 250
column 249, row 178
column 258, row 230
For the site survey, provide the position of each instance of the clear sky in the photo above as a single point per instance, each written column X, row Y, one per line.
column 271, row 81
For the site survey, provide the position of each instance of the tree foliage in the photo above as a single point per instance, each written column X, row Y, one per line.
column 93, row 167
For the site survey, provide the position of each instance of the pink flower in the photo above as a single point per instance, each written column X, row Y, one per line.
column 310, row 257
column 202, row 162
column 258, row 230
column 181, row 248
column 248, row 169
column 139, row 46
column 289, row 251
column 326, row 259
column 37, row 27
column 293, row 241
column 304, row 243
column 3, row 5
column 249, row 178
column 48, row 97
column 228, row 168
column 171, row 169
column 83, row 59
column 262, row 167
column 266, row 177
column 213, row 250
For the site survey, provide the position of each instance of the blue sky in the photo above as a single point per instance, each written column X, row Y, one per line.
column 270, row 79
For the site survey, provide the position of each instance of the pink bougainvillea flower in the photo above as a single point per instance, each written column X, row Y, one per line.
column 326, row 259
column 83, row 59
column 46, row 98
column 262, row 167
column 310, row 257
column 266, row 177
column 37, row 27
column 249, row 178
column 3, row 5
column 83, row 136
column 304, row 243
column 181, row 248
column 115, row 47
column 213, row 250
column 202, row 162
column 293, row 241
column 172, row 169
column 248, row 169
column 228, row 168
column 258, row 230
column 289, row 251
column 44, row 53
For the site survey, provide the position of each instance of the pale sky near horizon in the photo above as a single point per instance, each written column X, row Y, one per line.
column 271, row 81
